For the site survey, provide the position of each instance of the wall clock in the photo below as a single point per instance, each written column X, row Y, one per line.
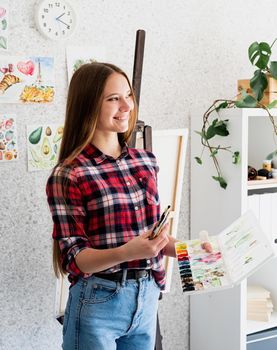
column 55, row 20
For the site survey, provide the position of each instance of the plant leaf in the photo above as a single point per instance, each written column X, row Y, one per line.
column 273, row 104
column 221, row 181
column 243, row 93
column 271, row 155
column 222, row 131
column 246, row 102
column 201, row 133
column 221, row 122
column 215, row 121
column 213, row 153
column 210, row 132
column 199, row 160
column 259, row 54
column 258, row 84
column 273, row 69
column 236, row 157
column 222, row 105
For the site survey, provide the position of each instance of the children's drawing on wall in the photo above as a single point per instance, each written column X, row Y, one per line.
column 4, row 25
column 43, row 142
column 8, row 138
column 26, row 79
column 79, row 55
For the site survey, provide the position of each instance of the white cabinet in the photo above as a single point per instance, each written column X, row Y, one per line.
column 218, row 320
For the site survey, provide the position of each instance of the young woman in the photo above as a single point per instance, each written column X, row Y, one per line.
column 104, row 202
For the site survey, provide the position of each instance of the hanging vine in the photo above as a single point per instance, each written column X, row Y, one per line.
column 218, row 127
column 259, row 55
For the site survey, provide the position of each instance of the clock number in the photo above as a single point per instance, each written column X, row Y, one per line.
column 45, row 10
column 56, row 33
column 63, row 32
column 49, row 30
column 58, row 4
column 44, row 24
column 68, row 13
column 42, row 16
column 68, row 27
column 50, row 6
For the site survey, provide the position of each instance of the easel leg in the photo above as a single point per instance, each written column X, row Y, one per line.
column 159, row 337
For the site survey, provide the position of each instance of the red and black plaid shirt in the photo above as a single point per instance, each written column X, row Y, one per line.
column 101, row 202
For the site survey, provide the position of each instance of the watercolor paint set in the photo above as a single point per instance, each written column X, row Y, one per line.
column 236, row 253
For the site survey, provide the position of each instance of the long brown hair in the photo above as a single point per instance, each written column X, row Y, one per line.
column 84, row 101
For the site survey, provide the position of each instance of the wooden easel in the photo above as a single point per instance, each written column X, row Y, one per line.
column 146, row 130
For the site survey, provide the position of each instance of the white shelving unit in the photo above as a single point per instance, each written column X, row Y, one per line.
column 218, row 320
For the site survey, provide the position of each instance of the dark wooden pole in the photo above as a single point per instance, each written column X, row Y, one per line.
column 136, row 84
column 138, row 63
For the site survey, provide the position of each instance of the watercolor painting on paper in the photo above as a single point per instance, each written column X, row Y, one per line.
column 4, row 25
column 243, row 247
column 237, row 252
column 43, row 142
column 26, row 79
column 8, row 138
column 78, row 55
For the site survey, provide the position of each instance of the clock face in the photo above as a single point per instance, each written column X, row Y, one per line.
column 56, row 19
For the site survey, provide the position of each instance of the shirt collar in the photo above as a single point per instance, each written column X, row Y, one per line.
column 98, row 156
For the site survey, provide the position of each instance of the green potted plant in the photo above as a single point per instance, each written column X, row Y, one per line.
column 259, row 55
column 263, row 84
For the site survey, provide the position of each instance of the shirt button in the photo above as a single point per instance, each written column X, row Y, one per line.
column 128, row 183
column 148, row 261
column 118, row 161
column 136, row 208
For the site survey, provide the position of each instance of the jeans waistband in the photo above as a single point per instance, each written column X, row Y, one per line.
column 123, row 275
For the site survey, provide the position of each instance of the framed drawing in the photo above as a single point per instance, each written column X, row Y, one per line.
column 169, row 147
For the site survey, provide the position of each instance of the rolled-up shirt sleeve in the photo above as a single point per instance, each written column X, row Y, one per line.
column 69, row 216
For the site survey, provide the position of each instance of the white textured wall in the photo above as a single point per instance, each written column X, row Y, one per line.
column 195, row 51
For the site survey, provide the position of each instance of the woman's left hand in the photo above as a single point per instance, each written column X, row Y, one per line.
column 169, row 249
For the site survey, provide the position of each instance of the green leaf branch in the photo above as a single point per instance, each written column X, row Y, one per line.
column 218, row 127
column 259, row 55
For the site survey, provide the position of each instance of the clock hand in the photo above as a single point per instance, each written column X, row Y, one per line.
column 62, row 22
column 60, row 16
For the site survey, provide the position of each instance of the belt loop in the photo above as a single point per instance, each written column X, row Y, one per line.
column 124, row 275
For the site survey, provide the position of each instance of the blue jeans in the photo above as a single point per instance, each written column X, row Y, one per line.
column 108, row 315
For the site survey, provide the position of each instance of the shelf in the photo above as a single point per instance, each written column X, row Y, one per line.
column 260, row 184
column 249, row 130
column 256, row 326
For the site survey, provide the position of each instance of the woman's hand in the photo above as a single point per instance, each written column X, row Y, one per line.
column 142, row 247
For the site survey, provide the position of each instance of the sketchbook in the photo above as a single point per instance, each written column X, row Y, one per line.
column 237, row 252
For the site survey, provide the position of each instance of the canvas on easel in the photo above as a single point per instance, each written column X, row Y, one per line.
column 169, row 147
